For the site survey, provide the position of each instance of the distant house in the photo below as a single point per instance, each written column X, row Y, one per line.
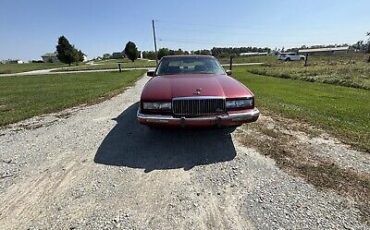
column 50, row 58
column 107, row 56
column 117, row 55
column 12, row 61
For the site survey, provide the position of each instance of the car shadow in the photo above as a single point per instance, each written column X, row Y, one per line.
column 131, row 144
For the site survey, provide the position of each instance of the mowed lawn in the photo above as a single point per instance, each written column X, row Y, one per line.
column 27, row 96
column 342, row 111
column 110, row 64
column 16, row 68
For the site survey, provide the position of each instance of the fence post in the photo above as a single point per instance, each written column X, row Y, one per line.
column 306, row 59
column 231, row 62
column 119, row 67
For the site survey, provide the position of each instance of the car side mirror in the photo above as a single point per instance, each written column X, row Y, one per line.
column 229, row 72
column 150, row 73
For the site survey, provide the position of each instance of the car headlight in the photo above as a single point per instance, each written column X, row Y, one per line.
column 157, row 105
column 240, row 103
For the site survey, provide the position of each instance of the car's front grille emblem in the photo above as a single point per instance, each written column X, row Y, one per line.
column 198, row 91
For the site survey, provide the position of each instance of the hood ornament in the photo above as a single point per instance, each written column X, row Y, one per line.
column 198, row 91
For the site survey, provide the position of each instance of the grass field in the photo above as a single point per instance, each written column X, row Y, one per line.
column 342, row 111
column 250, row 59
column 24, row 97
column 103, row 64
column 16, row 68
column 121, row 60
column 350, row 70
column 111, row 64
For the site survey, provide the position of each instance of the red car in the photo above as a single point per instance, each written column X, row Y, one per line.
column 194, row 91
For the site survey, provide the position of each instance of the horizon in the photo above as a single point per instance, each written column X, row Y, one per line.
column 31, row 29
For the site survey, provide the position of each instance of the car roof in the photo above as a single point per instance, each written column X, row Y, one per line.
column 288, row 53
column 188, row 56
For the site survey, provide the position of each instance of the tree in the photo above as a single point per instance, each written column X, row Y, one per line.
column 106, row 56
column 163, row 52
column 131, row 51
column 76, row 55
column 179, row 52
column 203, row 52
column 149, row 55
column 81, row 56
column 65, row 51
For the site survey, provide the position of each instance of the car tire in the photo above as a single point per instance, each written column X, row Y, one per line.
column 228, row 130
column 288, row 59
column 302, row 58
column 153, row 127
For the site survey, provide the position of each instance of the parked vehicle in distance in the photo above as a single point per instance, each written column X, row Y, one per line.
column 194, row 91
column 291, row 56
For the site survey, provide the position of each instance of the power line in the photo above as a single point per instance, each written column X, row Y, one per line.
column 196, row 24
column 195, row 31
column 209, row 43
column 201, row 31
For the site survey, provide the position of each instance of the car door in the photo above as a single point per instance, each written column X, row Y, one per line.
column 295, row 57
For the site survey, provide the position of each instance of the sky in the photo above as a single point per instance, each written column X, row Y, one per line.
column 30, row 28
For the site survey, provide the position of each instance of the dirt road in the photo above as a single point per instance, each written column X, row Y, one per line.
column 95, row 167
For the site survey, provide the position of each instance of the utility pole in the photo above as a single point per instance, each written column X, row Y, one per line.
column 155, row 43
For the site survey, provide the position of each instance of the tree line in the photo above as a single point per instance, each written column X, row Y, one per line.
column 363, row 46
column 67, row 53
column 219, row 52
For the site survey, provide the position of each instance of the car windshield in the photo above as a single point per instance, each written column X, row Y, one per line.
column 189, row 65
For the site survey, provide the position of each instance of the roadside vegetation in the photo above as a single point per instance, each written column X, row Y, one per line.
column 342, row 111
column 28, row 96
column 350, row 70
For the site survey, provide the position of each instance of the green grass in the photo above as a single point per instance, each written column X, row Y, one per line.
column 120, row 60
column 342, row 111
column 16, row 68
column 28, row 96
column 250, row 59
column 103, row 64
column 350, row 70
column 111, row 64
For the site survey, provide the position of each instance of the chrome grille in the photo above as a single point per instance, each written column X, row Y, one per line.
column 198, row 106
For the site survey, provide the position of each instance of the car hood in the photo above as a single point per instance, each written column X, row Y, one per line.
column 162, row 88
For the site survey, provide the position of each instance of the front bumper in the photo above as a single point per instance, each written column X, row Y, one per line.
column 232, row 118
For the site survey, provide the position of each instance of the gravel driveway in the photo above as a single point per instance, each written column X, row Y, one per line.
column 95, row 167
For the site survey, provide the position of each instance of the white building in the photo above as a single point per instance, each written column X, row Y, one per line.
column 50, row 57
